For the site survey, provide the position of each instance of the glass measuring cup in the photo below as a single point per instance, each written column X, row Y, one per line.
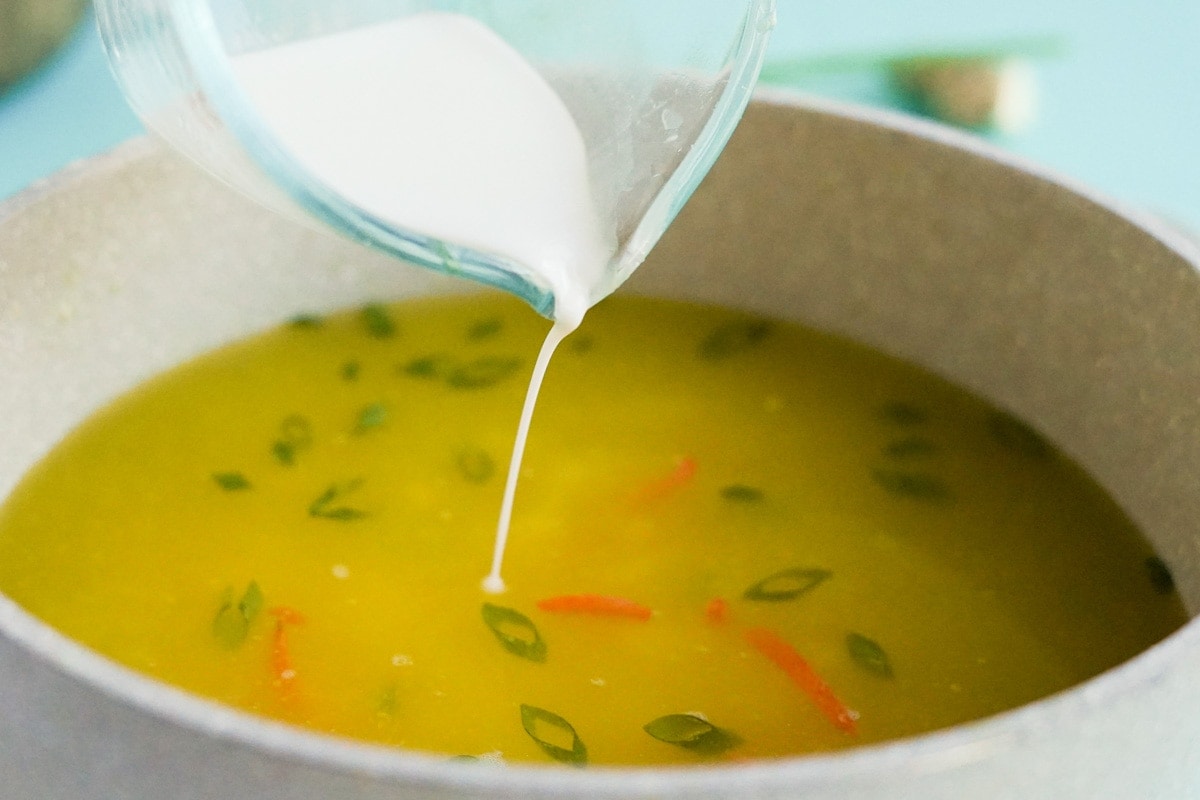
column 654, row 86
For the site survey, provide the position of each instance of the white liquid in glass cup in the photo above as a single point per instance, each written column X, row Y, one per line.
column 538, row 146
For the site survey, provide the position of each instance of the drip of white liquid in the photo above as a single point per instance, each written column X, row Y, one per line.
column 434, row 123
column 494, row 583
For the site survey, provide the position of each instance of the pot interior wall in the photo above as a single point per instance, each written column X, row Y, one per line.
column 1045, row 302
column 1039, row 299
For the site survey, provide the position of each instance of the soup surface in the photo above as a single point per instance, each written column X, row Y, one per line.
column 733, row 538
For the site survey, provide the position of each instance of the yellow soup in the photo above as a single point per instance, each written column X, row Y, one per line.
column 733, row 539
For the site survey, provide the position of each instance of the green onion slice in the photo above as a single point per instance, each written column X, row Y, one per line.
column 914, row 485
column 692, row 732
column 485, row 328
column 378, row 322
column 1018, row 437
column 541, row 725
column 1160, row 575
column 516, row 632
column 733, row 339
column 869, row 655
column 482, row 372
column 787, row 585
column 295, row 435
column 474, row 464
column 904, row 414
column 740, row 493
column 372, row 416
column 231, row 481
column 231, row 625
column 328, row 505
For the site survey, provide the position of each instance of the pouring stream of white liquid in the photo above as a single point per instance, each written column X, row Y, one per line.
column 434, row 123
column 494, row 583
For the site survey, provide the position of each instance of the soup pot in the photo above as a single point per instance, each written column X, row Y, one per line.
column 1076, row 315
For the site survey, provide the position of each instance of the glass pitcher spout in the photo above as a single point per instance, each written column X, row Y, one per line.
column 655, row 90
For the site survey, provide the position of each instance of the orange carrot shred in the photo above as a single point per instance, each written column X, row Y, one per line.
column 679, row 477
column 771, row 645
column 598, row 604
column 717, row 610
column 281, row 657
column 282, row 667
column 286, row 615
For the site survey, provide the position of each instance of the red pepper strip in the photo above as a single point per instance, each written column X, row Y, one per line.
column 598, row 604
column 281, row 657
column 786, row 658
column 717, row 610
column 684, row 471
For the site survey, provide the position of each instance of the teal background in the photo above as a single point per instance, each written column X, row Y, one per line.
column 1119, row 108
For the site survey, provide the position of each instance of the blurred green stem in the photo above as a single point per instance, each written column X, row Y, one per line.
column 796, row 70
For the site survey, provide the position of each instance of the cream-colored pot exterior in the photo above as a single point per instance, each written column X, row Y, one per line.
column 904, row 236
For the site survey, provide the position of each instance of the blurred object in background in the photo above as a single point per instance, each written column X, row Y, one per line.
column 984, row 89
column 30, row 30
column 973, row 93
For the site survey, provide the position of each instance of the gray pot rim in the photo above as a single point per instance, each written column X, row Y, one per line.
column 926, row 753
